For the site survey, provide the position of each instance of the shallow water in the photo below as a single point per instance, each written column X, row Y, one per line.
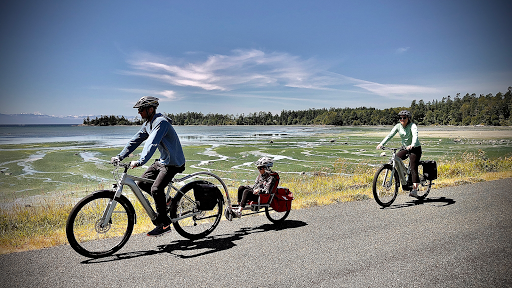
column 54, row 159
column 118, row 135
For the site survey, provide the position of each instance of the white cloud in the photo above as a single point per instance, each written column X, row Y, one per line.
column 255, row 69
column 251, row 68
column 167, row 94
column 402, row 50
column 396, row 91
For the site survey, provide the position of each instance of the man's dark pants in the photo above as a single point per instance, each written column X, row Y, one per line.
column 162, row 174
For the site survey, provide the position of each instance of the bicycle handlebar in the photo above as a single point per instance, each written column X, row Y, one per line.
column 395, row 149
column 126, row 166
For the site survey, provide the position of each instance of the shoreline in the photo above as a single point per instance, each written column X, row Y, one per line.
column 454, row 132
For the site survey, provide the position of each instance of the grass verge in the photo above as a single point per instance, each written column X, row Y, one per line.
column 29, row 227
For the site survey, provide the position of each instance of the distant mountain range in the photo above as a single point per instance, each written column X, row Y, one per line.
column 28, row 119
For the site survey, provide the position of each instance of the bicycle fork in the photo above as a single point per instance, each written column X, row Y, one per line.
column 107, row 214
column 391, row 177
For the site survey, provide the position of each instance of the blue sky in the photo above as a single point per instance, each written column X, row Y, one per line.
column 232, row 57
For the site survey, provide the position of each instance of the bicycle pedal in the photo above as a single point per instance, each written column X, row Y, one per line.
column 228, row 215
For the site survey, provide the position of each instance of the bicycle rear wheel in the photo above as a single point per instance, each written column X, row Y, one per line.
column 385, row 189
column 274, row 216
column 191, row 222
column 425, row 185
column 83, row 229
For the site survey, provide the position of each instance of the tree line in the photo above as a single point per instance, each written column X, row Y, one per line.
column 470, row 109
column 110, row 121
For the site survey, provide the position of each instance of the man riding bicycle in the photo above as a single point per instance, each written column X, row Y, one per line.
column 158, row 132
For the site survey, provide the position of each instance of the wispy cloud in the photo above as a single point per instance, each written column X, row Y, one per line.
column 167, row 94
column 255, row 69
column 402, row 50
column 396, row 91
column 252, row 68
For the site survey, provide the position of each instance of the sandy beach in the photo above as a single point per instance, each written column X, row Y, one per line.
column 453, row 132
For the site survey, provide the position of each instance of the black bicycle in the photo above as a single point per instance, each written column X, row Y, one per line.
column 391, row 175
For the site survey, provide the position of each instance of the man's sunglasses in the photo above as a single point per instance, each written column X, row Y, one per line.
column 141, row 109
column 403, row 117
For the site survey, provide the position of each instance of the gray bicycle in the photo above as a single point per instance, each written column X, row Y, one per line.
column 108, row 215
column 390, row 176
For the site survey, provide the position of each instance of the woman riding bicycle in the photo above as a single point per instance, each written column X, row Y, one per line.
column 408, row 131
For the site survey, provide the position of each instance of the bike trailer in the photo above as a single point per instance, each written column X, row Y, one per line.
column 282, row 200
column 429, row 169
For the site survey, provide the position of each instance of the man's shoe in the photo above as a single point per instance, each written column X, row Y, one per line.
column 159, row 231
column 414, row 193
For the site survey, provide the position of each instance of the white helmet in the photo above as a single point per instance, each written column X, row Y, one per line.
column 147, row 101
column 264, row 162
column 405, row 113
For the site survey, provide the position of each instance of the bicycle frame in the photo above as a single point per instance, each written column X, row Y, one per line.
column 399, row 166
column 129, row 180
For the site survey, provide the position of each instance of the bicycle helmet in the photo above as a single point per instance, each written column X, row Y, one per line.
column 264, row 162
column 405, row 113
column 146, row 101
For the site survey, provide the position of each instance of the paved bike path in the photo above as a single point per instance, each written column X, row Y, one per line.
column 459, row 237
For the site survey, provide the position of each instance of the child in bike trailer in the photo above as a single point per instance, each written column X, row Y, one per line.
column 408, row 131
column 264, row 184
column 158, row 132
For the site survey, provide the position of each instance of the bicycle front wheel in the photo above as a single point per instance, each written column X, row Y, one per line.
column 385, row 187
column 189, row 221
column 85, row 233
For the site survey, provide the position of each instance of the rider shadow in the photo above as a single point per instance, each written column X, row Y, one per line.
column 214, row 244
column 195, row 248
column 440, row 200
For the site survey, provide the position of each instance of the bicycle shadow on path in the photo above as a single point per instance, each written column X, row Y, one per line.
column 185, row 248
column 443, row 201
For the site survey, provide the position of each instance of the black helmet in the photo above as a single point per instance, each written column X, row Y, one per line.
column 147, row 101
column 405, row 113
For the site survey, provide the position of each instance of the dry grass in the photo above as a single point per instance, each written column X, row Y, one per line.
column 33, row 227
column 28, row 227
column 324, row 189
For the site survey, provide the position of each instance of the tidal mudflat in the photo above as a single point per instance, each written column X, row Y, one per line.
column 30, row 171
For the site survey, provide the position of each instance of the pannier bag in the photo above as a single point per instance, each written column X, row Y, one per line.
column 429, row 169
column 264, row 198
column 206, row 194
column 282, row 200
